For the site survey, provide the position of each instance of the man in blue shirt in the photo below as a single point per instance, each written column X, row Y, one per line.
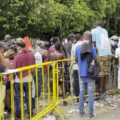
column 85, row 79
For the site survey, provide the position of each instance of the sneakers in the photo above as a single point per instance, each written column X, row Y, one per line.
column 91, row 116
column 82, row 114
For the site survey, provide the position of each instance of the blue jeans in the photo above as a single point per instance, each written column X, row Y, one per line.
column 17, row 98
column 86, row 82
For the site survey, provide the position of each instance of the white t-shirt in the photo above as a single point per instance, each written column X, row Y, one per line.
column 38, row 57
column 74, row 46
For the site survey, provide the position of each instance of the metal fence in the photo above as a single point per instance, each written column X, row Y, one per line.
column 52, row 83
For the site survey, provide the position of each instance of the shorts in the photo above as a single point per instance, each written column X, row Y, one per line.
column 105, row 65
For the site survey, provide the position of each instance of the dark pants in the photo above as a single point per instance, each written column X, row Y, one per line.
column 17, row 97
column 67, row 78
column 101, row 84
column 76, row 82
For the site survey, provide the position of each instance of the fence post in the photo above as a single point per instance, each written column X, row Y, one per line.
column 54, row 83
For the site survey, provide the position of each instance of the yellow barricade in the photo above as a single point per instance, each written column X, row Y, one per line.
column 41, row 92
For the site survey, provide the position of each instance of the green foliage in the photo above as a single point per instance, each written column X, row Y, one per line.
column 46, row 18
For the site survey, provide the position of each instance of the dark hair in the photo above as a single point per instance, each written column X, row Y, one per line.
column 71, row 37
column 13, row 47
column 78, row 37
column 58, row 46
column 54, row 39
column 98, row 23
column 21, row 44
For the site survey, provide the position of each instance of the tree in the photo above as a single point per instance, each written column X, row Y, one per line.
column 47, row 18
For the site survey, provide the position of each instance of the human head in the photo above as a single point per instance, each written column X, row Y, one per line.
column 78, row 37
column 87, row 36
column 47, row 45
column 7, row 38
column 98, row 23
column 38, row 44
column 71, row 38
column 54, row 40
column 58, row 46
column 10, row 53
column 20, row 44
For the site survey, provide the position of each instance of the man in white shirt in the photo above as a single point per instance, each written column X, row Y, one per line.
column 102, row 42
column 38, row 60
column 75, row 66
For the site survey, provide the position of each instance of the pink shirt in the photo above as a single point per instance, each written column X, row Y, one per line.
column 52, row 49
column 22, row 59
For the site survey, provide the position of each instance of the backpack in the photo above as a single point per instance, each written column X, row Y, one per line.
column 93, row 68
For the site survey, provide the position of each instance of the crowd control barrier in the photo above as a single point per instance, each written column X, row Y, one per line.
column 46, row 86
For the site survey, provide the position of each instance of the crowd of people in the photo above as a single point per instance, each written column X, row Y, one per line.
column 91, row 48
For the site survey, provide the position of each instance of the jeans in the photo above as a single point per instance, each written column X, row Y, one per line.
column 76, row 82
column 17, row 97
column 89, row 83
column 39, row 81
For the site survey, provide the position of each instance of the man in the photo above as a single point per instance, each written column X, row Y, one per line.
column 67, row 45
column 57, row 55
column 100, row 38
column 86, row 80
column 22, row 59
column 53, row 41
column 8, row 41
column 38, row 60
column 75, row 66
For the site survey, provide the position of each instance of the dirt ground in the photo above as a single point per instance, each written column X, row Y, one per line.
column 100, row 113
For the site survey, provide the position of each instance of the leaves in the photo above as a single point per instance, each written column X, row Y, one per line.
column 46, row 18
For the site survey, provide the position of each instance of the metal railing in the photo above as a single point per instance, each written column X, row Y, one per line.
column 50, row 89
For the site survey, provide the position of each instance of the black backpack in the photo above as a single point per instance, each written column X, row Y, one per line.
column 93, row 68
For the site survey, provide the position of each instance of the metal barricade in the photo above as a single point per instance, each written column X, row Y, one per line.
column 53, row 84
